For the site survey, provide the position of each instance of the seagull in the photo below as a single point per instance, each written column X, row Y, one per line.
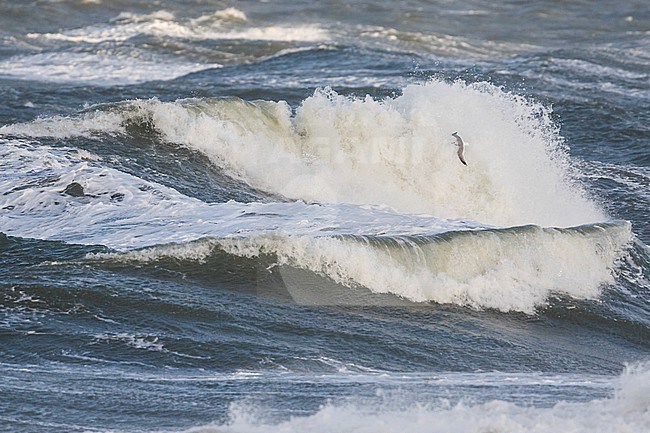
column 461, row 147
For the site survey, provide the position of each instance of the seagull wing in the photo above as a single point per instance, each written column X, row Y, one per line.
column 460, row 155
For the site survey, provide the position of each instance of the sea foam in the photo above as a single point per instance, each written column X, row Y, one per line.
column 626, row 412
column 396, row 151
column 101, row 54
column 99, row 67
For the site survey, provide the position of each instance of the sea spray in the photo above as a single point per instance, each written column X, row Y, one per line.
column 395, row 151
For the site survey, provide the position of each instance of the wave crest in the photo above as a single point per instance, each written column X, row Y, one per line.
column 510, row 270
column 395, row 151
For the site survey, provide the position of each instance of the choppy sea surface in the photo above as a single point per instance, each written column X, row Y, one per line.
column 251, row 217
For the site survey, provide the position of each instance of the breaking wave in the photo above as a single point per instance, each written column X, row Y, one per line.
column 510, row 269
column 395, row 151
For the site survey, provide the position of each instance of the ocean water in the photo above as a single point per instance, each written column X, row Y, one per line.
column 250, row 216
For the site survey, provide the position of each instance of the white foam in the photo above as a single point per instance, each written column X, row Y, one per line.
column 124, row 27
column 513, row 271
column 98, row 67
column 136, row 341
column 97, row 56
column 33, row 179
column 229, row 23
column 387, row 38
column 225, row 14
column 595, row 70
column 86, row 125
column 278, row 33
column 130, row 17
column 622, row 413
column 396, row 152
column 633, row 393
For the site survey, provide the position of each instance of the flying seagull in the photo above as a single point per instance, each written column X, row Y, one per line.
column 461, row 147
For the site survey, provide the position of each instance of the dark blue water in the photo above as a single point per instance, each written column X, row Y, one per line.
column 251, row 217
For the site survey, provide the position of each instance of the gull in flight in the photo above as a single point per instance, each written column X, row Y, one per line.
column 461, row 147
